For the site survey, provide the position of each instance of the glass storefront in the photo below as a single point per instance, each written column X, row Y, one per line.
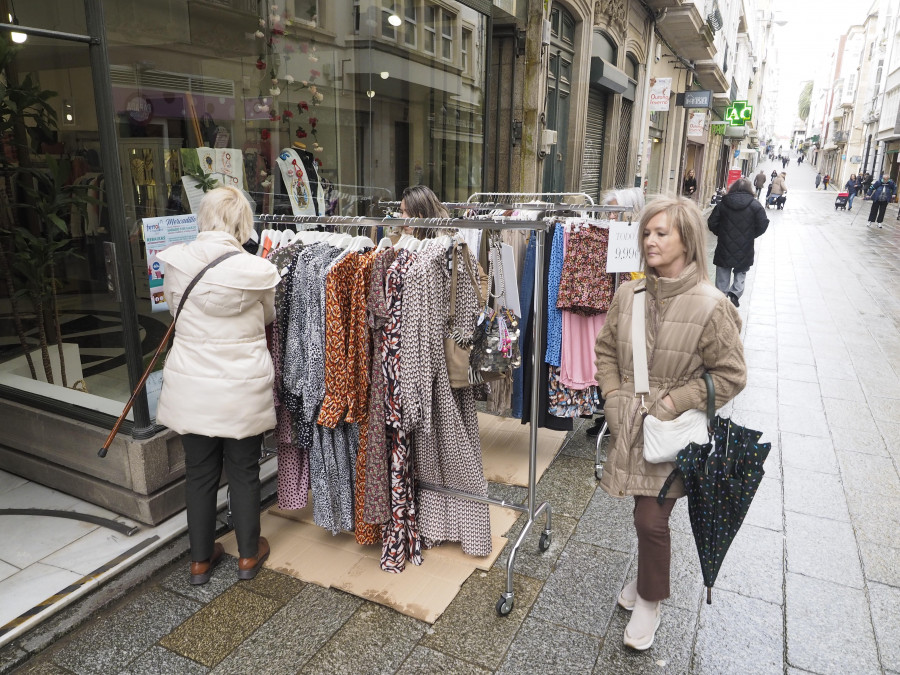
column 310, row 106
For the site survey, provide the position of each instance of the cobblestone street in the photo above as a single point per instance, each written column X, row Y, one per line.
column 811, row 584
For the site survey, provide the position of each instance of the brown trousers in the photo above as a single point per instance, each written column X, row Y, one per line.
column 654, row 547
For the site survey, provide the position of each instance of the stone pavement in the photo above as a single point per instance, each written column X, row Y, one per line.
column 811, row 584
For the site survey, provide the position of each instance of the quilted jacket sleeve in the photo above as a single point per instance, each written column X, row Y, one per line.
column 606, row 357
column 714, row 220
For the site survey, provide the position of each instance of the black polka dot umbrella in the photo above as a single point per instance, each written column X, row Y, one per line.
column 720, row 480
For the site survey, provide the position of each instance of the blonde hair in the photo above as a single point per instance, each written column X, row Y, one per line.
column 633, row 198
column 683, row 215
column 225, row 209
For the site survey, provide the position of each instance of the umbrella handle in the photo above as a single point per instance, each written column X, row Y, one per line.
column 709, row 595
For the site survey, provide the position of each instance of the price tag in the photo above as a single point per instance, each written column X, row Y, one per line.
column 623, row 254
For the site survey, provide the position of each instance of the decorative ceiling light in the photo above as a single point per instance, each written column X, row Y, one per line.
column 395, row 20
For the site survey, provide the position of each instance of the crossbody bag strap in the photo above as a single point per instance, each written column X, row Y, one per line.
column 190, row 286
column 639, row 342
column 454, row 264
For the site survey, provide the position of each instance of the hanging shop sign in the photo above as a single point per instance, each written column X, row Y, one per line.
column 733, row 175
column 660, row 92
column 738, row 113
column 696, row 124
column 694, row 99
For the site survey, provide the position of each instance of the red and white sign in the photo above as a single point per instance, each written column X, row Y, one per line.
column 733, row 175
column 696, row 124
column 660, row 93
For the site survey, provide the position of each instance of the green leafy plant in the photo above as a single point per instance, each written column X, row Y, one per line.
column 205, row 182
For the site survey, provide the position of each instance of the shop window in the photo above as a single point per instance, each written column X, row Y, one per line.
column 447, row 36
column 410, row 23
column 304, row 11
column 430, row 29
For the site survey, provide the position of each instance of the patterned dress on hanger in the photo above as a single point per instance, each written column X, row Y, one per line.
column 446, row 443
column 401, row 534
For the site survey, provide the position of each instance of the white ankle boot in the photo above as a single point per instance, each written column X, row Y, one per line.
column 641, row 629
column 628, row 596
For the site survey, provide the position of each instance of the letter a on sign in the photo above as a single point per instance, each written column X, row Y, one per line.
column 738, row 113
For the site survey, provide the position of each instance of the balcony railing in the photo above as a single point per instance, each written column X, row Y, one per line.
column 840, row 136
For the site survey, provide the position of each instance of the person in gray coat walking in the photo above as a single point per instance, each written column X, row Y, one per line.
column 759, row 182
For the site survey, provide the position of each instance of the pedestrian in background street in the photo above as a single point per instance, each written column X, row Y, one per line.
column 774, row 174
column 737, row 220
column 689, row 186
column 852, row 187
column 883, row 191
column 217, row 381
column 866, row 184
column 759, row 182
column 698, row 331
column 825, row 180
column 818, row 180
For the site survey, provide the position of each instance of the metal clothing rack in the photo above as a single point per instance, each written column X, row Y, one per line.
column 547, row 203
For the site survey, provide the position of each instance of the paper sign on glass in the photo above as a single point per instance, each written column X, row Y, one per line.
column 623, row 253
column 159, row 234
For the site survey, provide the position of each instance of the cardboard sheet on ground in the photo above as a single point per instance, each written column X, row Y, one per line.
column 504, row 449
column 312, row 554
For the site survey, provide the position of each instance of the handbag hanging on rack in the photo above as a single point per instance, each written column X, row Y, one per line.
column 457, row 349
column 663, row 440
column 495, row 348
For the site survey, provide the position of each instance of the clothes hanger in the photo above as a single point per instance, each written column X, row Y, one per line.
column 384, row 244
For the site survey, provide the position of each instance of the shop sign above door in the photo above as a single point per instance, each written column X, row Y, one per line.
column 695, row 99
column 738, row 113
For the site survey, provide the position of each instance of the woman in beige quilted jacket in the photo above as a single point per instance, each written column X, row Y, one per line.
column 691, row 328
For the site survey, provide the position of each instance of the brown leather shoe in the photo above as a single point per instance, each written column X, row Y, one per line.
column 248, row 567
column 202, row 571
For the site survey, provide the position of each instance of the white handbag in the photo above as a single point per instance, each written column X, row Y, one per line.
column 663, row 440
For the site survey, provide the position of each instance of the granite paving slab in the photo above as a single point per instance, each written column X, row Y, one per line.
column 880, row 563
column 589, row 578
column 848, row 390
column 216, row 630
column 811, row 453
column 760, row 358
column 608, row 522
column 680, row 520
column 836, row 369
column 762, row 377
column 754, row 565
column 798, row 371
column 470, row 628
column 424, row 661
column 224, row 576
column 530, row 560
column 848, row 414
column 580, row 444
column 795, row 353
column 158, row 660
column 42, row 667
column 823, row 614
column 375, row 635
column 876, row 518
column 738, row 634
column 868, row 473
column 110, row 643
column 815, row 494
column 543, row 647
column 801, row 394
column 685, row 575
column 293, row 634
column 568, row 485
column 759, row 400
column 885, row 602
column 864, row 441
column 766, row 509
column 822, row 548
column 670, row 653
column 804, row 421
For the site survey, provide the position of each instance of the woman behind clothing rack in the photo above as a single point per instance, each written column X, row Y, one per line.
column 691, row 328
column 217, row 385
column 419, row 201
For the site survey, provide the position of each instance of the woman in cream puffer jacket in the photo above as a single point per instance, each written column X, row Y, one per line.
column 218, row 376
column 691, row 328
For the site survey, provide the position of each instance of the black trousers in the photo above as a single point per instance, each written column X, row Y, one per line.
column 203, row 460
column 876, row 214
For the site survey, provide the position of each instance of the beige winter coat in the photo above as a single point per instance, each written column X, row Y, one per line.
column 778, row 186
column 691, row 327
column 218, row 376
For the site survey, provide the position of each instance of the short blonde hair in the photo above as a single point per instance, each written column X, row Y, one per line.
column 225, row 209
column 684, row 215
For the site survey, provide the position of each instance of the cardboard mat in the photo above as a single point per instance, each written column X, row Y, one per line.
column 312, row 554
column 504, row 449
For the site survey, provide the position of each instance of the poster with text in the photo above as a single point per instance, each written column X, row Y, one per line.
column 623, row 253
column 696, row 124
column 159, row 234
column 660, row 92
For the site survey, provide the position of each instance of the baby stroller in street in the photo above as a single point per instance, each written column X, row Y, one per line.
column 840, row 202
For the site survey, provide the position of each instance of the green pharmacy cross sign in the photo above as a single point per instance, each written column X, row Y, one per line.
column 738, row 113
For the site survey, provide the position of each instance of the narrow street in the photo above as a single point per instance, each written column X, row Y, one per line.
column 811, row 584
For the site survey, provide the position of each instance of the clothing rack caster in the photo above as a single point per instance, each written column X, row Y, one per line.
column 598, row 467
column 508, row 599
